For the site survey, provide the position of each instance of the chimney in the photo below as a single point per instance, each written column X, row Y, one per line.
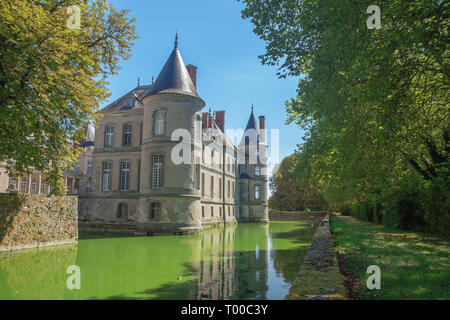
column 261, row 122
column 204, row 120
column 193, row 73
column 262, row 129
column 220, row 119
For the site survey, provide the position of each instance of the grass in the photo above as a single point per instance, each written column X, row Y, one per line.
column 413, row 265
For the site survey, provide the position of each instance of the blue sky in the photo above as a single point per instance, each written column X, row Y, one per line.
column 213, row 37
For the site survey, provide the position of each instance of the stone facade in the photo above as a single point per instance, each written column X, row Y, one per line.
column 138, row 186
column 31, row 221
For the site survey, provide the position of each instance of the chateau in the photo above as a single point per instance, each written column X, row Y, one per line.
column 138, row 185
column 159, row 164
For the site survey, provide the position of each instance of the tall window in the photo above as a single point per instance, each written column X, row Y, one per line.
column 89, row 167
column 122, row 210
column 127, row 134
column 234, row 192
column 106, row 177
column 44, row 186
column 203, row 184
column 158, row 124
column 212, row 186
column 34, row 186
column 212, row 211
column 220, row 211
column 155, row 209
column 220, row 187
column 158, row 171
column 257, row 171
column 197, row 173
column 228, row 188
column 23, row 185
column 109, row 136
column 203, row 211
column 257, row 192
column 125, row 176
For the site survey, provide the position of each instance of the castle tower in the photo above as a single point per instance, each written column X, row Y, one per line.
column 169, row 201
column 252, row 171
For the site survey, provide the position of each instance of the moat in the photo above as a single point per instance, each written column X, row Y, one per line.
column 246, row 261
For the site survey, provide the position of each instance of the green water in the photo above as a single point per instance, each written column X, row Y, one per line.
column 248, row 261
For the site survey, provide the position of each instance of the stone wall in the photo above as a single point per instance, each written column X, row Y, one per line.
column 31, row 221
column 319, row 277
column 296, row 215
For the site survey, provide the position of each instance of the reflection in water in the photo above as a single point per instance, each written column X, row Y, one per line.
column 248, row 261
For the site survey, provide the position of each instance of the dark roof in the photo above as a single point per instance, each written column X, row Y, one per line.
column 251, row 124
column 173, row 78
column 127, row 101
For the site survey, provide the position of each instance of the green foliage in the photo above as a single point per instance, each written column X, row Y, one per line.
column 374, row 103
column 289, row 192
column 53, row 78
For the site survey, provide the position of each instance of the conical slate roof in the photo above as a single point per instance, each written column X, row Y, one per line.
column 251, row 124
column 174, row 77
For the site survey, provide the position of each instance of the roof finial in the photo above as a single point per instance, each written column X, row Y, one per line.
column 176, row 40
column 252, row 107
column 139, row 81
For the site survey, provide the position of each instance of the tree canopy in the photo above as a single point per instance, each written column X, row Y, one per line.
column 374, row 102
column 53, row 78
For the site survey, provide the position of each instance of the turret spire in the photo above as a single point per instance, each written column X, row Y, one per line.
column 176, row 40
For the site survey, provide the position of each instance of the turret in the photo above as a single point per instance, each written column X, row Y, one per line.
column 169, row 197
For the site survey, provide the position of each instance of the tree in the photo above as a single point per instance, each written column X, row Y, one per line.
column 53, row 78
column 374, row 102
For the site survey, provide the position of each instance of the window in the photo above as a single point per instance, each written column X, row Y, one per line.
column 203, row 211
column 220, row 188
column 257, row 192
column 155, row 209
column 203, row 184
column 89, row 168
column 125, row 175
column 229, row 213
column 220, row 211
column 106, row 177
column 109, row 136
column 158, row 171
column 77, row 167
column 212, row 186
column 257, row 171
column 23, row 185
column 34, row 186
column 197, row 173
column 228, row 165
column 212, row 157
column 234, row 191
column 228, row 188
column 212, row 211
column 122, row 210
column 158, row 124
column 127, row 134
column 44, row 186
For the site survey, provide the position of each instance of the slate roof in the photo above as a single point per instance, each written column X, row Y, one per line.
column 173, row 78
column 127, row 101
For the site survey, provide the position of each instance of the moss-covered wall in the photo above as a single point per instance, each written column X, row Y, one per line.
column 31, row 221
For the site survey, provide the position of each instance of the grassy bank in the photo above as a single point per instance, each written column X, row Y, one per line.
column 413, row 265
